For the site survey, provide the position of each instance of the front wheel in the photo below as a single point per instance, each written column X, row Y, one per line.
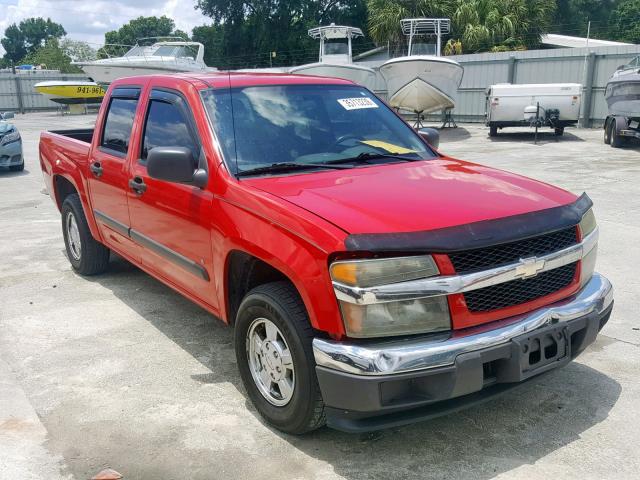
column 493, row 130
column 273, row 349
column 86, row 255
column 559, row 131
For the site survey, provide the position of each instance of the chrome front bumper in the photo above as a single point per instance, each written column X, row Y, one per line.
column 393, row 357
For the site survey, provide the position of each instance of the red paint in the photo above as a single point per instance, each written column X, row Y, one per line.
column 295, row 223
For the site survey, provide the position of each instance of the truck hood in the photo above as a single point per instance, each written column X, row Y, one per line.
column 410, row 197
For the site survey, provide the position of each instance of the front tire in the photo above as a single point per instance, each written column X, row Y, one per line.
column 86, row 255
column 493, row 130
column 559, row 131
column 273, row 349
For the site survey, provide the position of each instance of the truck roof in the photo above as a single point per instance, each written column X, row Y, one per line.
column 242, row 79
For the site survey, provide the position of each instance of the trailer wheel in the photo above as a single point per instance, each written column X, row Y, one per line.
column 607, row 133
column 559, row 131
column 493, row 130
column 617, row 141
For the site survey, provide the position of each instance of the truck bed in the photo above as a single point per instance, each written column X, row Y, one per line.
column 82, row 134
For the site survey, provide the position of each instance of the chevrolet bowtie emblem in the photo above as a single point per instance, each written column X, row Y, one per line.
column 529, row 267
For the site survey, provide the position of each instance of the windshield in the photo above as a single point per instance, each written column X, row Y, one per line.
column 178, row 51
column 336, row 47
column 308, row 124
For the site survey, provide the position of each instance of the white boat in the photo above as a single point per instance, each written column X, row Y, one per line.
column 422, row 83
column 623, row 90
column 336, row 57
column 161, row 57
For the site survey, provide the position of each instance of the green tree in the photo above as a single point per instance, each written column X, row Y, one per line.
column 625, row 22
column 141, row 27
column 28, row 36
column 211, row 36
column 250, row 30
column 53, row 57
column 77, row 50
column 572, row 17
column 477, row 25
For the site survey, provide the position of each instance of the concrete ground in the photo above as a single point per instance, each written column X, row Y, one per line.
column 119, row 371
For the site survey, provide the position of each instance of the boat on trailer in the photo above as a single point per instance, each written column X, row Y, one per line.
column 623, row 90
column 335, row 59
column 423, row 81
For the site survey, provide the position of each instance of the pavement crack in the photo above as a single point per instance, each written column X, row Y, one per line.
column 618, row 340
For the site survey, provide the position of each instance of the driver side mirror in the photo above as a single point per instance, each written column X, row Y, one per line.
column 621, row 67
column 175, row 164
column 431, row 136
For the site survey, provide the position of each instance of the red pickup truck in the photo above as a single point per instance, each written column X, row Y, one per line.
column 371, row 281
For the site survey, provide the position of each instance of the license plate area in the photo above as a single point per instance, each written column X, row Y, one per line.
column 542, row 350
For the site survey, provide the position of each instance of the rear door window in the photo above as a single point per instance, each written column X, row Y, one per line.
column 166, row 126
column 116, row 135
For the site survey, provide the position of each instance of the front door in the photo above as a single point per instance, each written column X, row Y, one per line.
column 108, row 171
column 170, row 220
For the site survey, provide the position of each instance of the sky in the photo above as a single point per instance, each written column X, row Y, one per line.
column 88, row 20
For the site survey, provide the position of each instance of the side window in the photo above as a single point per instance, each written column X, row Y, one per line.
column 117, row 127
column 166, row 126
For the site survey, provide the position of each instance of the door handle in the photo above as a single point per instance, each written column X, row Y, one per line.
column 137, row 185
column 96, row 169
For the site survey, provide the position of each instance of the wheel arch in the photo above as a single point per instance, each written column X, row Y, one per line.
column 244, row 271
column 63, row 186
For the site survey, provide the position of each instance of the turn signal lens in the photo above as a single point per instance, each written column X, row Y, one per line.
column 369, row 273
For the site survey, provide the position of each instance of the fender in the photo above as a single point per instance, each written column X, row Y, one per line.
column 59, row 163
column 302, row 262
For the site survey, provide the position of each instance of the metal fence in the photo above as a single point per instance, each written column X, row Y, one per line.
column 18, row 95
column 591, row 67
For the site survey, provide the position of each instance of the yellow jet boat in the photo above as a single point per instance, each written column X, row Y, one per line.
column 70, row 92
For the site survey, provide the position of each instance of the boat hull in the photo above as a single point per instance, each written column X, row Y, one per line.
column 623, row 95
column 422, row 83
column 71, row 93
column 106, row 73
column 358, row 74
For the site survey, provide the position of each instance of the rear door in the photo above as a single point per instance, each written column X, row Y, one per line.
column 108, row 170
column 171, row 221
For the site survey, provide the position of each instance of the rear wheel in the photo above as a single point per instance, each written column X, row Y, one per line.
column 275, row 358
column 617, row 141
column 607, row 134
column 86, row 255
column 559, row 131
column 493, row 130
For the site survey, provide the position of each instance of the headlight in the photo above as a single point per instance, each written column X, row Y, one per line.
column 587, row 266
column 588, row 223
column 11, row 137
column 390, row 318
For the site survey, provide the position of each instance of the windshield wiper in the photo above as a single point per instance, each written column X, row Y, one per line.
column 366, row 156
column 286, row 167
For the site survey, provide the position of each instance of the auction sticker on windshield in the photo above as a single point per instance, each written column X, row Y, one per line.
column 357, row 103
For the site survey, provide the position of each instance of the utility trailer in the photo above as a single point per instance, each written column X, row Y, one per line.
column 554, row 105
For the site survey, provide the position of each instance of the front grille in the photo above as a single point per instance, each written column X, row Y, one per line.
column 517, row 292
column 490, row 257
